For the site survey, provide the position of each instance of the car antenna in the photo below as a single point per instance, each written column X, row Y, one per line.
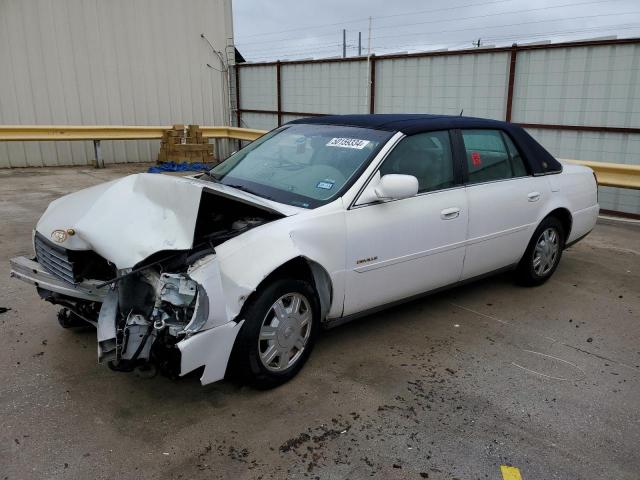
column 461, row 111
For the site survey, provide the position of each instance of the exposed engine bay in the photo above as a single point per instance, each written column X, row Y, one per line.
column 151, row 307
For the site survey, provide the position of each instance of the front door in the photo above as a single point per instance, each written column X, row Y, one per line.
column 400, row 248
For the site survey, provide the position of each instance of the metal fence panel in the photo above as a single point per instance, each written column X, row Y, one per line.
column 325, row 87
column 291, row 118
column 589, row 86
column 595, row 86
column 475, row 83
column 599, row 147
column 262, row 121
column 619, row 199
column 596, row 146
column 258, row 87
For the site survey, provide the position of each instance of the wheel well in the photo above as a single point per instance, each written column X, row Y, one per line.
column 294, row 268
column 564, row 216
column 304, row 269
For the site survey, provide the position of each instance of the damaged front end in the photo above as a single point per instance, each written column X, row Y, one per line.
column 144, row 317
column 154, row 309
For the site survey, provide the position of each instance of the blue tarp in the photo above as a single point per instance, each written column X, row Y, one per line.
column 178, row 167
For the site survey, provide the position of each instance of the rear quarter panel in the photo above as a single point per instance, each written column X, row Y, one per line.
column 576, row 190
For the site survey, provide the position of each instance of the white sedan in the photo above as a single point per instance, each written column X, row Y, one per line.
column 313, row 224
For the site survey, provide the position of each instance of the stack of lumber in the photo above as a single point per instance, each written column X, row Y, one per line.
column 185, row 144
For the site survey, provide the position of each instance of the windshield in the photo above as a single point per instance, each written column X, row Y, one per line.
column 302, row 165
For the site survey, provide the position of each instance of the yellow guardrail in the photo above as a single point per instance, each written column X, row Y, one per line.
column 613, row 174
column 97, row 133
column 608, row 174
column 248, row 134
column 112, row 132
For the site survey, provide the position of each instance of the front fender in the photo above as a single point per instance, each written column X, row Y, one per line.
column 244, row 270
column 228, row 281
column 242, row 263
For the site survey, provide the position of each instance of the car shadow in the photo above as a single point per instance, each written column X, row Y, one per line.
column 179, row 392
column 402, row 312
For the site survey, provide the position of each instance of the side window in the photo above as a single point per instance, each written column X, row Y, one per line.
column 426, row 156
column 517, row 163
column 487, row 157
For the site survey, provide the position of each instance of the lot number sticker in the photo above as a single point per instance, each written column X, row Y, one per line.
column 348, row 143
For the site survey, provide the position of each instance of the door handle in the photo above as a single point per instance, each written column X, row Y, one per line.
column 450, row 213
column 533, row 196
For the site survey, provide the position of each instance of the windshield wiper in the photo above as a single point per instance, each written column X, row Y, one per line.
column 211, row 177
column 240, row 187
column 245, row 189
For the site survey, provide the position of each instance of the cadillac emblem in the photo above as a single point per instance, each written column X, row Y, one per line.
column 59, row 236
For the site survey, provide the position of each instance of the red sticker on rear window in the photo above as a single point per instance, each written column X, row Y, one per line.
column 475, row 159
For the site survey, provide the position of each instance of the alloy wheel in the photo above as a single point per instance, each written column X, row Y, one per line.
column 285, row 331
column 546, row 252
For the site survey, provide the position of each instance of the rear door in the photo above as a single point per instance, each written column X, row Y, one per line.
column 505, row 201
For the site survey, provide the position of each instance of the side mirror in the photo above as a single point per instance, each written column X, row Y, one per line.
column 396, row 187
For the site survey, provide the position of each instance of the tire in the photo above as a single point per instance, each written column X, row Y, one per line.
column 543, row 255
column 281, row 323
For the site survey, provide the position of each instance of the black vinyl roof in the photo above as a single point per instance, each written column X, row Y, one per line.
column 540, row 161
column 407, row 123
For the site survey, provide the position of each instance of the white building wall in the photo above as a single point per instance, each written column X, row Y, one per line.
column 116, row 62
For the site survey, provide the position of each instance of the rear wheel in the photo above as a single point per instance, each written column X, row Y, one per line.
column 543, row 253
column 281, row 324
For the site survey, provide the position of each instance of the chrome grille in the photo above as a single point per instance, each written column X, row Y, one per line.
column 54, row 258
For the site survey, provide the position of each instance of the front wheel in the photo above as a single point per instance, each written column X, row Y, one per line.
column 281, row 325
column 543, row 253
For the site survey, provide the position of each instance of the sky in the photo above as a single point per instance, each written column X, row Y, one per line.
column 267, row 30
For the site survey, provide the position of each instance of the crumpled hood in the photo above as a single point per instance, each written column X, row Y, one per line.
column 128, row 219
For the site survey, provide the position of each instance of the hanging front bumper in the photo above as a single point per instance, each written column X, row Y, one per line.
column 32, row 272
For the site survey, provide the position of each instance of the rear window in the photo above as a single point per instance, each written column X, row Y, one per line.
column 517, row 163
column 491, row 156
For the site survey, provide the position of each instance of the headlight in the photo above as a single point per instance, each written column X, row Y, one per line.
column 200, row 313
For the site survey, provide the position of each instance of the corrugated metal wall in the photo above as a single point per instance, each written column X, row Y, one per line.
column 579, row 86
column 117, row 62
column 592, row 86
column 325, row 87
column 600, row 147
column 259, row 89
column 446, row 84
column 596, row 86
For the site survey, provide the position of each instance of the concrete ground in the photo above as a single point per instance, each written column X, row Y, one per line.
column 452, row 386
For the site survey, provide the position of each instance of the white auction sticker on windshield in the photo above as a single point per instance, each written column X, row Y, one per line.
column 348, row 143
